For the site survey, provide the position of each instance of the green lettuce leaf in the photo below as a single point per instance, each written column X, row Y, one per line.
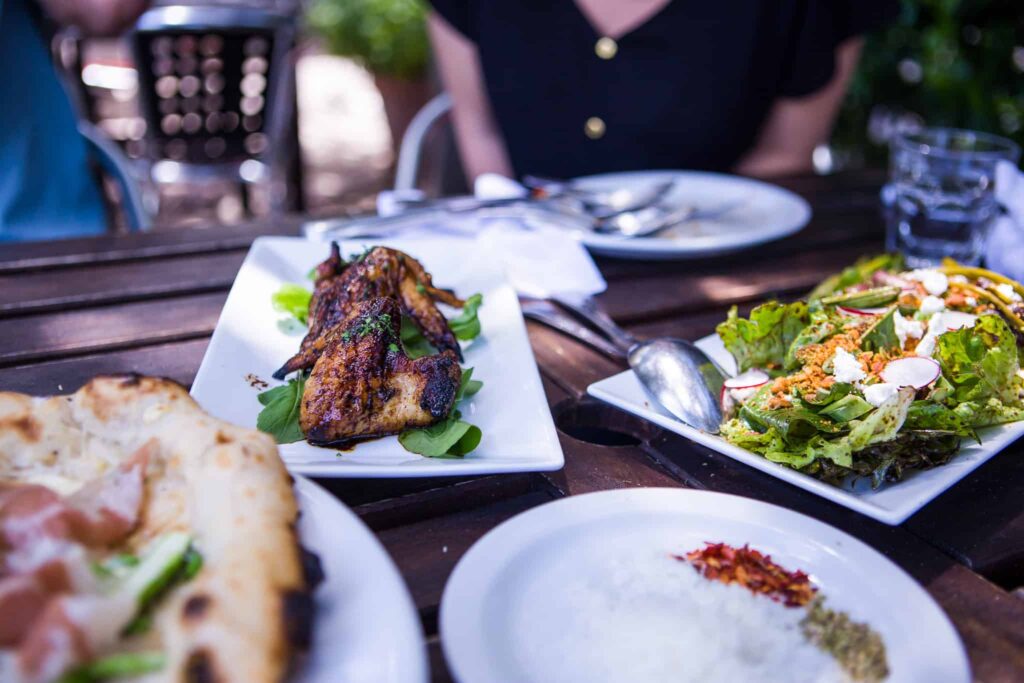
column 280, row 414
column 294, row 300
column 929, row 415
column 822, row 325
column 981, row 362
column 764, row 339
column 881, row 336
column 988, row 413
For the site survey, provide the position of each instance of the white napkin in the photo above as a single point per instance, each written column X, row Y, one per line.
column 1005, row 250
column 539, row 260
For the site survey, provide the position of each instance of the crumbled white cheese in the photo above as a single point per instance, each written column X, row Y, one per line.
column 971, row 301
column 907, row 328
column 941, row 323
column 877, row 394
column 935, row 283
column 932, row 304
column 846, row 367
column 959, row 279
column 1008, row 292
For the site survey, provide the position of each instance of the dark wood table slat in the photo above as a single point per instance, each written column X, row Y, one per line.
column 33, row 292
column 113, row 248
column 49, row 336
column 177, row 360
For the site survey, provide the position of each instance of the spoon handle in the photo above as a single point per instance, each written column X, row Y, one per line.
column 587, row 308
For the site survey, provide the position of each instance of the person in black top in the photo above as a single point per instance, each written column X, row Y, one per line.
column 572, row 87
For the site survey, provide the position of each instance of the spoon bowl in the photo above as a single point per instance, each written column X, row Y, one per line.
column 679, row 376
column 682, row 379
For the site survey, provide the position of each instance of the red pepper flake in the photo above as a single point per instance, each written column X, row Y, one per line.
column 753, row 570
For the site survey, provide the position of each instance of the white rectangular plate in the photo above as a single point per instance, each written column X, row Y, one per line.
column 511, row 409
column 891, row 503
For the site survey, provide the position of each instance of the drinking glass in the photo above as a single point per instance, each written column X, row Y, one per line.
column 942, row 193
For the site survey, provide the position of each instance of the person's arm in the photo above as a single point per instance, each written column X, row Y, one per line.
column 795, row 126
column 481, row 144
column 95, row 17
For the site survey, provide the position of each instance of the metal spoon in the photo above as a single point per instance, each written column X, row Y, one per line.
column 602, row 203
column 677, row 374
column 651, row 220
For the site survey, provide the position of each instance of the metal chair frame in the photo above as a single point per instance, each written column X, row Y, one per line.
column 280, row 78
column 410, row 152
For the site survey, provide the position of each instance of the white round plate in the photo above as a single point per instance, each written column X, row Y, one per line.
column 763, row 213
column 519, row 588
column 366, row 628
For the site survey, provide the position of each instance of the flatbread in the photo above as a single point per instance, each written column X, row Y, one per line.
column 224, row 485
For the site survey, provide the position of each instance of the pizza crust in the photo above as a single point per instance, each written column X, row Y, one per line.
column 224, row 485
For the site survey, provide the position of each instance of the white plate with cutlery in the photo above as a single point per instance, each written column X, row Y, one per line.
column 746, row 213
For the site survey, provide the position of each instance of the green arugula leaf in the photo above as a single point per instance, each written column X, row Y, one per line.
column 280, row 415
column 452, row 437
column 466, row 325
column 292, row 299
column 467, row 385
column 413, row 341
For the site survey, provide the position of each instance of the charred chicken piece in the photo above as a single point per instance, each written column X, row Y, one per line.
column 381, row 272
column 364, row 386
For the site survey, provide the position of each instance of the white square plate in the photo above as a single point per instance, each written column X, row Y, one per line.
column 511, row 409
column 891, row 503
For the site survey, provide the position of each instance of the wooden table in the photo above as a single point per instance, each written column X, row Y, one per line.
column 148, row 303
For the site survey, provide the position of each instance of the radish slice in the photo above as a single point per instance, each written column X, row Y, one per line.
column 912, row 371
column 754, row 377
column 862, row 311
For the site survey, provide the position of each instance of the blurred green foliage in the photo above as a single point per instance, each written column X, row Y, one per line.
column 943, row 62
column 389, row 37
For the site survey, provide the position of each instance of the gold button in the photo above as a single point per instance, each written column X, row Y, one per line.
column 606, row 48
column 594, row 128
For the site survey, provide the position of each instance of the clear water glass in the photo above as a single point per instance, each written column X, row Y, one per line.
column 941, row 193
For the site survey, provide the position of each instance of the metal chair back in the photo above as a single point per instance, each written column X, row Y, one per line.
column 216, row 85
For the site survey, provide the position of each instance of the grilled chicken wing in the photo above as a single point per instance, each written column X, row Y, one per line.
column 381, row 272
column 363, row 385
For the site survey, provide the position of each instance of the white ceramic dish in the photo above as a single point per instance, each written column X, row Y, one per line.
column 366, row 628
column 892, row 503
column 513, row 596
column 511, row 409
column 763, row 213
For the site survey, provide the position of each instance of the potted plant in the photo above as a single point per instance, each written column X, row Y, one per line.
column 389, row 37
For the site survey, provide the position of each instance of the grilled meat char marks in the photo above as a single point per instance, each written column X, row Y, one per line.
column 381, row 272
column 364, row 386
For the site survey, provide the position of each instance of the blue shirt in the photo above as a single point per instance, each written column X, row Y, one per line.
column 47, row 189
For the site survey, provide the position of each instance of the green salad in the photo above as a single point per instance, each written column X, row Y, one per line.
column 882, row 370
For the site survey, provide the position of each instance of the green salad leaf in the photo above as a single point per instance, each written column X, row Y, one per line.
column 764, row 339
column 881, row 336
column 452, row 437
column 280, row 414
column 466, row 325
column 823, row 324
column 294, row 300
column 413, row 341
column 122, row 665
column 981, row 362
column 856, row 274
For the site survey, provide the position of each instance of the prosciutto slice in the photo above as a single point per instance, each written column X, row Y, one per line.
column 50, row 611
